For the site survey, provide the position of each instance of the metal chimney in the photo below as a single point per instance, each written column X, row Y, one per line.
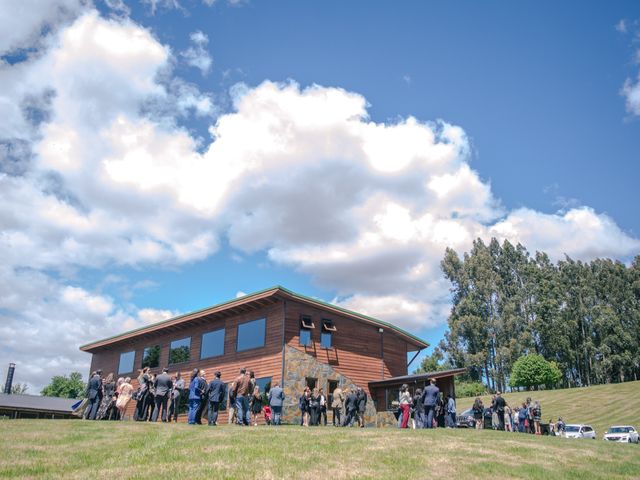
column 9, row 383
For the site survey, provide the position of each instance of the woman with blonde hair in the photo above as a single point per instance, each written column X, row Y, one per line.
column 124, row 396
column 255, row 405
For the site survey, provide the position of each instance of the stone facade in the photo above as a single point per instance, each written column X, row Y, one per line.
column 297, row 367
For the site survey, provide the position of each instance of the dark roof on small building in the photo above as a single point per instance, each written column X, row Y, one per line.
column 257, row 299
column 418, row 378
column 36, row 403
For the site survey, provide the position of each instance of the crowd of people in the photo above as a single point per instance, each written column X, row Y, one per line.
column 427, row 408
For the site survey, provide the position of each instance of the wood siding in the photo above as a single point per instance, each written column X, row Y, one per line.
column 356, row 347
column 265, row 361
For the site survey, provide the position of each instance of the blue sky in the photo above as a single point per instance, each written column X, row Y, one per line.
column 158, row 157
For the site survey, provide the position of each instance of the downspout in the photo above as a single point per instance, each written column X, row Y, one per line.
column 284, row 322
column 381, row 330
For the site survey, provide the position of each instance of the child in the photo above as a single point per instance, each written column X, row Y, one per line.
column 267, row 414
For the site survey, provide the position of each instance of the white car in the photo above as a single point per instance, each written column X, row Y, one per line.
column 579, row 431
column 621, row 433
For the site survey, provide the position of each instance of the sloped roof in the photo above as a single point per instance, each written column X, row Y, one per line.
column 36, row 403
column 420, row 377
column 262, row 295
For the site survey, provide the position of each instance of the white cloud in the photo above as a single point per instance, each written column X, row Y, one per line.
column 621, row 26
column 631, row 92
column 105, row 176
column 197, row 55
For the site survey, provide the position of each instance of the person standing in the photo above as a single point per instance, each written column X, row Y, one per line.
column 362, row 406
column 405, row 405
column 242, row 384
column 124, row 396
column 314, row 407
column 255, row 405
column 232, row 415
column 94, row 394
column 176, row 397
column 418, row 409
column 451, row 412
column 499, row 405
column 108, row 392
column 336, row 405
column 204, row 403
column 162, row 386
column 429, row 400
column 537, row 415
column 141, row 395
column 217, row 394
column 323, row 408
column 303, row 404
column 351, row 407
column 276, row 400
column 478, row 413
column 196, row 389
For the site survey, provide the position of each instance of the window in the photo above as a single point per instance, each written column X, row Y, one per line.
column 328, row 328
column 305, row 337
column 311, row 382
column 306, row 322
column 126, row 362
column 212, row 344
column 179, row 351
column 392, row 395
column 251, row 335
column 333, row 384
column 264, row 383
column 151, row 357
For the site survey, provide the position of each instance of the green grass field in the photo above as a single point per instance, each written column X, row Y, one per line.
column 600, row 406
column 74, row 449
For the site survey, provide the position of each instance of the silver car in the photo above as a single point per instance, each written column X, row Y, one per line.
column 621, row 433
column 579, row 431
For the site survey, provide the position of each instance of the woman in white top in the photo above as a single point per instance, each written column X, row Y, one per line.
column 405, row 404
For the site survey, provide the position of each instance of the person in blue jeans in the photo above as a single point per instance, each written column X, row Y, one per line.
column 196, row 388
column 276, row 399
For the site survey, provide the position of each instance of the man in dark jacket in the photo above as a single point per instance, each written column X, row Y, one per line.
column 351, row 407
column 94, row 394
column 205, row 395
column 276, row 399
column 499, row 405
column 241, row 391
column 429, row 400
column 217, row 395
column 163, row 386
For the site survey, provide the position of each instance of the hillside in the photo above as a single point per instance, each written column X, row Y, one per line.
column 600, row 406
column 75, row 449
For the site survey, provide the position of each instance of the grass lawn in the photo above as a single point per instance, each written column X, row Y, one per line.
column 600, row 406
column 81, row 449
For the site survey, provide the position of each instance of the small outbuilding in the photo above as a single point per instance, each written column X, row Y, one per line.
column 35, row 406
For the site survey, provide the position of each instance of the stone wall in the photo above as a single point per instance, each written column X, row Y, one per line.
column 299, row 365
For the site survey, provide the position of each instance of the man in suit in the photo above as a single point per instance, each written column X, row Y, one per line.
column 163, row 386
column 276, row 399
column 429, row 400
column 351, row 407
column 336, row 404
column 242, row 385
column 94, row 394
column 217, row 394
column 205, row 395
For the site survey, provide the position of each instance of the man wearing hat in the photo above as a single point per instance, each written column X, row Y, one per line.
column 217, row 394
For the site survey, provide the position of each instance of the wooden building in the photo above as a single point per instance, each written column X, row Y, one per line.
column 279, row 334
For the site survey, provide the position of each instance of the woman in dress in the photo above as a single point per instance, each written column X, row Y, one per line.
column 314, row 408
column 108, row 392
column 405, row 405
column 124, row 396
column 478, row 413
column 144, row 380
column 537, row 415
column 255, row 405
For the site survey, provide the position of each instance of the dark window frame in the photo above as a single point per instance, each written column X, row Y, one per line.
column 171, row 351
column 264, row 335
column 224, row 337
column 133, row 362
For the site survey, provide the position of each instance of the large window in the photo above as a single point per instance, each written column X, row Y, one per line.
column 251, row 334
column 212, row 344
column 325, row 340
column 126, row 362
column 179, row 351
column 392, row 398
column 151, row 357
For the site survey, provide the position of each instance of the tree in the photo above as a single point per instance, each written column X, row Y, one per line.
column 533, row 370
column 431, row 363
column 18, row 388
column 66, row 387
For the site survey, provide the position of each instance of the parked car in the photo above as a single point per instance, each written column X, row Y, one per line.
column 625, row 433
column 466, row 420
column 579, row 431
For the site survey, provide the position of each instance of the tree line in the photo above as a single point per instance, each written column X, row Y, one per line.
column 584, row 316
